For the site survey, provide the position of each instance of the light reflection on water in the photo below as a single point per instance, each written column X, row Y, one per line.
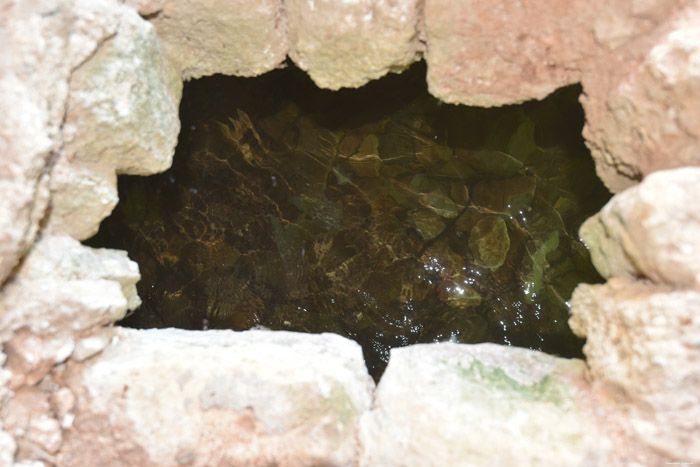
column 379, row 214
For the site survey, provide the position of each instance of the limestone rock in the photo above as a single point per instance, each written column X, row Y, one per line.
column 25, row 145
column 122, row 115
column 82, row 287
column 651, row 230
column 453, row 404
column 170, row 396
column 7, row 448
column 28, row 417
column 147, row 7
column 42, row 42
column 639, row 103
column 30, row 357
column 237, row 38
column 347, row 44
column 494, row 53
column 643, row 347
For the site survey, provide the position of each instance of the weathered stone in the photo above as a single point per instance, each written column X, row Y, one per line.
column 639, row 103
column 347, row 44
column 147, row 7
column 642, row 347
column 62, row 403
column 30, row 357
column 237, row 38
column 42, row 42
column 28, row 418
column 122, row 115
column 82, row 287
column 90, row 346
column 220, row 397
column 7, row 448
column 451, row 404
column 494, row 53
column 651, row 230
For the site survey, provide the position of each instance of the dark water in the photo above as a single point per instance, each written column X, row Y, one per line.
column 379, row 214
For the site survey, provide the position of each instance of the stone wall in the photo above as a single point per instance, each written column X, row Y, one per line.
column 90, row 89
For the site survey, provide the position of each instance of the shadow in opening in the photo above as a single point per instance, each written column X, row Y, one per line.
column 380, row 214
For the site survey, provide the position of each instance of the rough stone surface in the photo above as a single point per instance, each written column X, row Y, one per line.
column 147, row 7
column 28, row 418
column 453, row 404
column 643, row 347
column 83, row 287
column 347, row 44
column 638, row 62
column 639, row 97
column 30, row 358
column 239, row 38
column 162, row 397
column 650, row 230
column 42, row 41
column 495, row 53
column 7, row 448
column 122, row 115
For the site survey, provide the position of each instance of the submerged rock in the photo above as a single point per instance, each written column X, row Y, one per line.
column 351, row 213
column 489, row 241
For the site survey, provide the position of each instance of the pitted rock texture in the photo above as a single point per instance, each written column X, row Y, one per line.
column 166, row 397
column 347, row 44
column 484, row 404
column 642, row 348
column 121, row 116
column 42, row 42
column 642, row 326
column 82, row 287
column 640, row 94
column 496, row 53
column 650, row 230
column 205, row 37
column 641, row 89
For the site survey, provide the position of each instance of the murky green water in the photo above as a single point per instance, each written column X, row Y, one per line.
column 379, row 214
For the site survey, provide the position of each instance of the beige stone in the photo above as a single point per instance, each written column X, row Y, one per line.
column 42, row 41
column 122, row 116
column 493, row 53
column 485, row 404
column 239, row 38
column 81, row 287
column 28, row 418
column 640, row 101
column 643, row 348
column 219, row 398
column 347, row 44
column 7, row 448
column 147, row 7
column 651, row 230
